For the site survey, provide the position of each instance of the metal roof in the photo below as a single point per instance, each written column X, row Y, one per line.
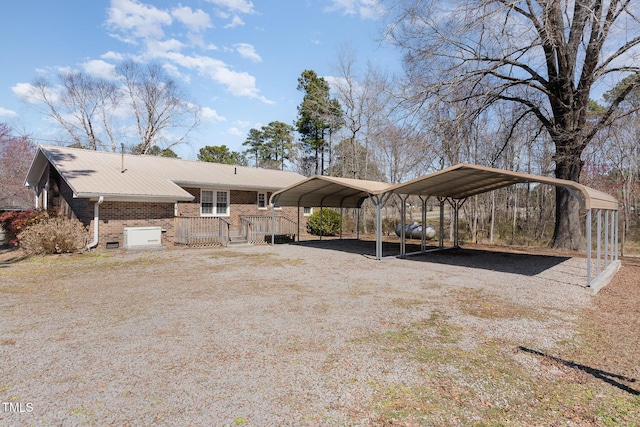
column 464, row 180
column 328, row 191
column 91, row 174
column 457, row 182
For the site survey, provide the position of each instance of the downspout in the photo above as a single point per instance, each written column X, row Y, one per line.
column 96, row 228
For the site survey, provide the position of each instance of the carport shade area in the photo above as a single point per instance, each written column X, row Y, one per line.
column 454, row 185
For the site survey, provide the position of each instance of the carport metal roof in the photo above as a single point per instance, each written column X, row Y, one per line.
column 464, row 180
column 328, row 191
column 456, row 182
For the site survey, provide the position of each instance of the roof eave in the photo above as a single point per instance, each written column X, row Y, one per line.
column 157, row 198
column 209, row 184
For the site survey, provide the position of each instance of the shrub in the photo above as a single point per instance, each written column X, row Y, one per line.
column 330, row 222
column 13, row 222
column 53, row 235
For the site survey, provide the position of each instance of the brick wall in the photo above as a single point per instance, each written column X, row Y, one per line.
column 115, row 216
column 241, row 203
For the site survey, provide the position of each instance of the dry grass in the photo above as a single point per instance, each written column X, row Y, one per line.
column 310, row 337
column 592, row 380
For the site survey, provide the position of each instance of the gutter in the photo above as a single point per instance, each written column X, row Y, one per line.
column 96, row 227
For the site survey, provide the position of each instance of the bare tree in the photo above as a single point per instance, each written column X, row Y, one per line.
column 83, row 105
column 158, row 106
column 353, row 96
column 95, row 111
column 16, row 154
column 546, row 56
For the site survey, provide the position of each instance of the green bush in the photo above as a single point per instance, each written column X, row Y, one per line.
column 330, row 222
column 53, row 235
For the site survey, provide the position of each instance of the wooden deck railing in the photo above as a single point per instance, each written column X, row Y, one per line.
column 202, row 231
column 258, row 228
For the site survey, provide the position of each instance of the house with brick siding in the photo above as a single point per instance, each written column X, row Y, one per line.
column 124, row 198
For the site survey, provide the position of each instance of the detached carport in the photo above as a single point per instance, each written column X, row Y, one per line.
column 332, row 192
column 455, row 185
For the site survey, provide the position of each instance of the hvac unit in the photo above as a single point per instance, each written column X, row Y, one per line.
column 142, row 237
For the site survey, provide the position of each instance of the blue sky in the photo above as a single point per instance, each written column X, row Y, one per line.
column 238, row 60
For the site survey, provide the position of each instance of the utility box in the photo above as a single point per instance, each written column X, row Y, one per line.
column 142, row 237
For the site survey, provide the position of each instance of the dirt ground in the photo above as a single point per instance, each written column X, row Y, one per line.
column 316, row 334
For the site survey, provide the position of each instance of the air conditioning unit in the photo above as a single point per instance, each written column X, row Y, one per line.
column 142, row 237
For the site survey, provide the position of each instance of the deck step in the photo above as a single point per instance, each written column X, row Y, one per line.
column 238, row 242
column 237, row 238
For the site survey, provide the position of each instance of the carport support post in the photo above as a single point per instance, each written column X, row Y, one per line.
column 606, row 239
column 613, row 233
column 320, row 220
column 378, row 201
column 589, row 248
column 441, row 231
column 403, row 224
column 599, row 234
column 455, row 204
column 273, row 224
column 615, row 238
column 378, row 228
column 298, row 223
column 423, row 245
column 458, row 206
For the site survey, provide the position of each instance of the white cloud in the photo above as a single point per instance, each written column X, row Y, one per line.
column 238, row 83
column 236, row 21
column 100, row 68
column 159, row 49
column 114, row 56
column 196, row 21
column 242, row 6
column 232, row 9
column 174, row 72
column 7, row 113
column 247, row 50
column 368, row 9
column 210, row 115
column 26, row 92
column 235, row 131
column 336, row 83
column 64, row 70
column 136, row 20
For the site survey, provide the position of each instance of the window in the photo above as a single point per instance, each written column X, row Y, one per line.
column 214, row 203
column 206, row 202
column 262, row 200
column 222, row 202
column 307, row 211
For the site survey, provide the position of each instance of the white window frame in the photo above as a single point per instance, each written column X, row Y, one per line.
column 214, row 197
column 304, row 211
column 265, row 201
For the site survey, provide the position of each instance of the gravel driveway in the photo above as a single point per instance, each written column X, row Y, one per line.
column 260, row 336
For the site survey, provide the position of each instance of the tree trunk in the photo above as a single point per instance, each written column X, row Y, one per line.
column 567, row 233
